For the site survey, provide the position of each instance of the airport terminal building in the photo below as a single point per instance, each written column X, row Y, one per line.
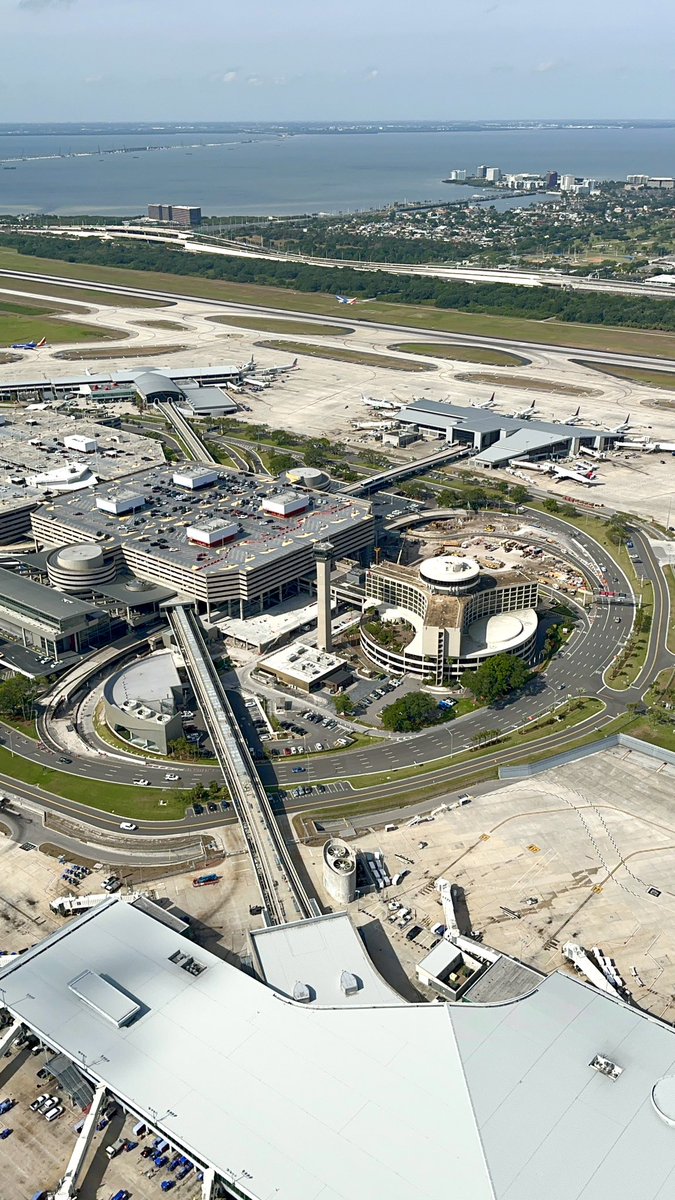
column 495, row 439
column 347, row 1091
column 446, row 616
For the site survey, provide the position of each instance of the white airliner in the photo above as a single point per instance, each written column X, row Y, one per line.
column 623, row 427
column 485, row 403
column 587, row 477
column 574, row 419
column 524, row 414
column 386, row 405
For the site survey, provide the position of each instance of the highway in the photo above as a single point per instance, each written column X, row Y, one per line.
column 281, row 889
column 196, row 244
column 443, row 338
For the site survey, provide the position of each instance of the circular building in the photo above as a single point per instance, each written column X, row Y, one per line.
column 79, row 569
column 142, row 702
column 339, row 870
column 449, row 575
column 306, row 477
column 446, row 616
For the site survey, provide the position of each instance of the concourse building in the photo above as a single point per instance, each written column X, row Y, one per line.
column 446, row 616
column 495, row 439
column 324, row 1085
column 48, row 623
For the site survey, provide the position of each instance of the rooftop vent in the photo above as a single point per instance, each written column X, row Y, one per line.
column 606, row 1067
column 187, row 963
column 301, row 993
column 349, row 983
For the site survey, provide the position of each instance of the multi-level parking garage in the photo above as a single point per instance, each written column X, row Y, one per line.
column 224, row 540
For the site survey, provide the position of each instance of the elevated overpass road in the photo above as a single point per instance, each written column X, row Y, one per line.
column 281, row 889
column 599, row 356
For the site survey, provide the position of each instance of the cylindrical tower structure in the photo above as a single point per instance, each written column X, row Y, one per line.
column 77, row 570
column 339, row 870
column 450, row 575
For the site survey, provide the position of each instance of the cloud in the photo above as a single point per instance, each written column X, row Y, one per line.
column 254, row 81
column 230, row 77
column 372, row 73
column 92, row 80
column 543, row 68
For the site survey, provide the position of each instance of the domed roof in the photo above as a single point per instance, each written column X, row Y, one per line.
column 149, row 382
column 449, row 568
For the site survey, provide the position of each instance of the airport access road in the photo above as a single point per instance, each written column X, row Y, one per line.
column 417, row 332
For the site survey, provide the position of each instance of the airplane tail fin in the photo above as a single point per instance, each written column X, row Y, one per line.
column 41, row 343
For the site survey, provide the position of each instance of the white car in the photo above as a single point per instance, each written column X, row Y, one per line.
column 54, row 1113
column 141, row 782
column 128, row 826
column 171, row 777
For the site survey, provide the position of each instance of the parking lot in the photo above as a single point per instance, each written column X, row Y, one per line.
column 35, row 1154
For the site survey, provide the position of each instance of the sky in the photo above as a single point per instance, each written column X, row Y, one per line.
column 266, row 60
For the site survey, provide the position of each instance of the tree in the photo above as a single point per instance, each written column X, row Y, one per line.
column 496, row 677
column 280, row 462
column 344, row 705
column 18, row 696
column 618, row 529
column 449, row 499
column 410, row 713
column 519, row 494
column 182, row 748
column 551, row 505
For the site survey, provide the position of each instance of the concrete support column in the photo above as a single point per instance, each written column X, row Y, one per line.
column 207, row 1183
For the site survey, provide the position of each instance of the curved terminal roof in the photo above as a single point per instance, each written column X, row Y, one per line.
column 503, row 632
column 301, row 1102
column 148, row 383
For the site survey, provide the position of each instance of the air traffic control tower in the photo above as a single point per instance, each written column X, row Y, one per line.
column 323, row 554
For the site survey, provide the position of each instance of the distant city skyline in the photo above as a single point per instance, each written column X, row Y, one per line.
column 90, row 60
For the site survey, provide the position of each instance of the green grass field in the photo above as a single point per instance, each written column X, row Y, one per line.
column 474, row 354
column 60, row 293
column 287, row 328
column 558, row 333
column 175, row 326
column 670, row 580
column 655, row 379
column 16, row 328
column 141, row 352
column 341, row 354
column 527, row 384
column 142, row 804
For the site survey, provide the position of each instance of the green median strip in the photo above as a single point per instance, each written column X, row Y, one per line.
column 459, row 353
column 631, row 660
column 670, row 580
column 137, row 804
column 362, row 358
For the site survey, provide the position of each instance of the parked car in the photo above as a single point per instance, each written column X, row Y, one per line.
column 55, row 1112
column 198, row 809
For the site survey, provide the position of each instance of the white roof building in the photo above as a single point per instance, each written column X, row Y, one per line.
column 301, row 1102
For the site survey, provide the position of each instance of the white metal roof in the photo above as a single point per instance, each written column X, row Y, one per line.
column 325, row 1103
column 316, row 952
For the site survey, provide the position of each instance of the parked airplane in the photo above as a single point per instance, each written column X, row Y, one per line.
column 258, row 385
column 387, row 405
column 524, row 414
column 272, row 372
column 346, row 300
column 574, row 419
column 486, row 403
column 587, row 477
column 623, row 427
column 30, row 345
